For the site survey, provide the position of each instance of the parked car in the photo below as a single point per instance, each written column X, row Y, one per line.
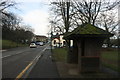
column 33, row 45
column 37, row 43
column 41, row 43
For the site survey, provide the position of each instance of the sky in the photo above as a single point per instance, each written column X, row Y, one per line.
column 34, row 13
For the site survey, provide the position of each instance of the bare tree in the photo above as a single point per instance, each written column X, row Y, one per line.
column 109, row 22
column 88, row 11
column 4, row 4
column 62, row 11
column 57, row 27
column 74, row 13
column 12, row 29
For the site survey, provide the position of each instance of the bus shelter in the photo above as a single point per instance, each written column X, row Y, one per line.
column 87, row 44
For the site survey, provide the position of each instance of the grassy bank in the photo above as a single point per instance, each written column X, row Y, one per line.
column 60, row 54
column 6, row 44
column 109, row 58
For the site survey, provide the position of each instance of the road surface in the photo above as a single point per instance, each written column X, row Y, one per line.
column 45, row 67
column 17, row 61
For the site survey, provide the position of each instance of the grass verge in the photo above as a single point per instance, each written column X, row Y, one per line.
column 110, row 59
column 60, row 54
column 6, row 44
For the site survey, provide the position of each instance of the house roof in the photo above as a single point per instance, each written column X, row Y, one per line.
column 88, row 30
column 40, row 36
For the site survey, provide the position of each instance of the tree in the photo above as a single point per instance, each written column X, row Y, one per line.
column 12, row 26
column 62, row 10
column 74, row 13
column 88, row 11
column 10, row 23
column 13, row 29
column 56, row 28
column 108, row 21
column 4, row 4
column 4, row 14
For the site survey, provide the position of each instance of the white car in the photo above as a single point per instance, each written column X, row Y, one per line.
column 41, row 43
column 33, row 45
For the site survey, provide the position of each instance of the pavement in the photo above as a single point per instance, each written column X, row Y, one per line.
column 45, row 67
column 67, row 70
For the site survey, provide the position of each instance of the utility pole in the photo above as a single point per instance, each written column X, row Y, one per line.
column 51, row 41
column 118, row 37
column 118, row 26
column 51, row 38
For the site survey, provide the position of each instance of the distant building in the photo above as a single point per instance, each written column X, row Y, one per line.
column 40, row 38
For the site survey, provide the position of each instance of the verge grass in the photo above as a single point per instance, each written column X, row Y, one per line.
column 6, row 44
column 60, row 54
column 110, row 59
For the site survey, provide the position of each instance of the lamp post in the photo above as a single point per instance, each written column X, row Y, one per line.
column 51, row 40
column 118, row 26
column 118, row 37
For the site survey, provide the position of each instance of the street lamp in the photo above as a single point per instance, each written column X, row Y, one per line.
column 51, row 40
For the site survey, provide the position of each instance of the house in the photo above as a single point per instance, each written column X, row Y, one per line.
column 40, row 38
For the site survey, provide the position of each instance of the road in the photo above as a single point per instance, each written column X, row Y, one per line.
column 45, row 67
column 15, row 62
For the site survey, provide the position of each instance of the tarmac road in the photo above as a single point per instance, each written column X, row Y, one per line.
column 44, row 68
column 16, row 61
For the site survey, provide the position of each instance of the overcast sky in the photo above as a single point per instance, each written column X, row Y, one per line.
column 34, row 13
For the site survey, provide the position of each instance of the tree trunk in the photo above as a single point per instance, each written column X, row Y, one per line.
column 68, row 51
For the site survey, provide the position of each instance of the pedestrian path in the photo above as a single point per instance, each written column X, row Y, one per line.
column 44, row 68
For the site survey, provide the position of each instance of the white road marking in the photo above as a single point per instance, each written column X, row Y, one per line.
column 2, row 50
column 12, row 55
